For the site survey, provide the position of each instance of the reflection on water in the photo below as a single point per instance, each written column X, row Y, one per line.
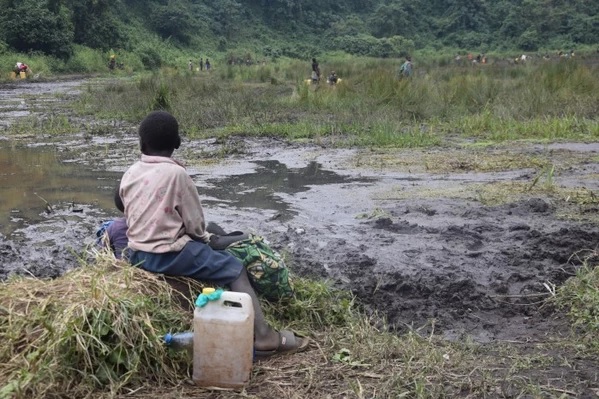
column 31, row 176
column 260, row 189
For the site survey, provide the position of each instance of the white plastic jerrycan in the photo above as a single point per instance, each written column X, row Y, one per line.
column 223, row 344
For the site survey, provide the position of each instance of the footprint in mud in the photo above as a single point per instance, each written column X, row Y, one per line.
column 525, row 208
column 357, row 265
column 401, row 227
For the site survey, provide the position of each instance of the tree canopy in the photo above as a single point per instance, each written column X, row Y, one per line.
column 291, row 27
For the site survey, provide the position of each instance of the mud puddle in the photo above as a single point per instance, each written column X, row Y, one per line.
column 268, row 186
column 32, row 179
column 448, row 264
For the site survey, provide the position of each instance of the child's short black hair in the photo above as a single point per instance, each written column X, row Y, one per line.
column 118, row 202
column 159, row 131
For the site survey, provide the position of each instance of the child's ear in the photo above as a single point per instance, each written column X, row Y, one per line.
column 178, row 143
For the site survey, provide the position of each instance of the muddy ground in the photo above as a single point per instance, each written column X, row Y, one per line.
column 419, row 245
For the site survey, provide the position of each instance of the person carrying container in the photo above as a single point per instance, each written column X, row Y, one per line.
column 315, row 71
column 21, row 70
column 333, row 79
column 112, row 62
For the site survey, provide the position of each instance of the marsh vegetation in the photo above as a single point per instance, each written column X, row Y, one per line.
column 96, row 331
column 545, row 101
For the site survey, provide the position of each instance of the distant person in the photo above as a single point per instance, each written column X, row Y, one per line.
column 333, row 78
column 208, row 64
column 190, row 65
column 314, row 77
column 21, row 67
column 406, row 69
column 315, row 69
column 201, row 64
column 112, row 62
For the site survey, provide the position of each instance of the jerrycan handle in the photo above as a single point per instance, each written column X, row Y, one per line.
column 239, row 300
column 225, row 298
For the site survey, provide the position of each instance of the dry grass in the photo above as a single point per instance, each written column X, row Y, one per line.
column 468, row 159
column 97, row 332
column 97, row 327
column 361, row 361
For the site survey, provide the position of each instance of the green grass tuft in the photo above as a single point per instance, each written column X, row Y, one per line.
column 580, row 297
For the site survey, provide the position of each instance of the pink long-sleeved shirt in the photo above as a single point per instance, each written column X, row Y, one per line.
column 162, row 206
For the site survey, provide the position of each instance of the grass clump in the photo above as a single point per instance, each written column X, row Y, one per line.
column 580, row 297
column 99, row 327
column 53, row 124
column 316, row 306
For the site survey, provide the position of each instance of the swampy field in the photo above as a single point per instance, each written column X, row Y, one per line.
column 441, row 230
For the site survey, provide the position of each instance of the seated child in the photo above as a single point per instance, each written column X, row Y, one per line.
column 167, row 232
column 113, row 233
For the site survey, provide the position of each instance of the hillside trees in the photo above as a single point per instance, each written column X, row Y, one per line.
column 226, row 18
column 96, row 24
column 405, row 18
column 298, row 27
column 31, row 25
column 172, row 20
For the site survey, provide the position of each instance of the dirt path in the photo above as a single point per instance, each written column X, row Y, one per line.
column 423, row 247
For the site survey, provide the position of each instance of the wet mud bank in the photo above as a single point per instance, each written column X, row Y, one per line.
column 464, row 270
column 447, row 264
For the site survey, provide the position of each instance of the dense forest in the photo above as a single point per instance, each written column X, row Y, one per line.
column 295, row 28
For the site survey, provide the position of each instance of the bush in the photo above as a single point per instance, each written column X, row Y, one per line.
column 529, row 40
column 85, row 60
column 30, row 25
column 580, row 297
column 150, row 57
column 366, row 45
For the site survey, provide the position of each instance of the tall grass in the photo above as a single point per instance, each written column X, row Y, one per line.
column 546, row 101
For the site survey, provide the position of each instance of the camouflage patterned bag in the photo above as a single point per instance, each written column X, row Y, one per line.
column 266, row 269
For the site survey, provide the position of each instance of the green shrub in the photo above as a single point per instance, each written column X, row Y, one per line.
column 150, row 57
